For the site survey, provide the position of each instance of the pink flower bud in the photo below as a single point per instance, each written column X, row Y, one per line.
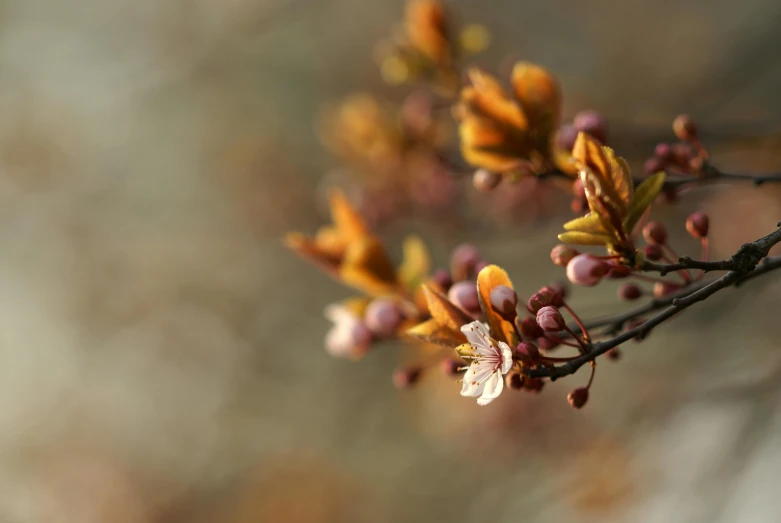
column 578, row 190
column 593, row 123
column 586, row 269
column 652, row 252
column 655, row 233
column 698, row 224
column 653, row 165
column 562, row 254
column 527, row 350
column 450, row 367
column 561, row 289
column 578, row 397
column 613, row 354
column 463, row 261
column 537, row 301
column 618, row 272
column 550, row 319
column 682, row 156
column 662, row 289
column 684, row 128
column 664, row 152
column 534, row 385
column 514, row 381
column 567, row 135
column 406, row 377
column 629, row 291
column 464, row 294
column 530, row 329
column 545, row 343
column 383, row 317
column 349, row 337
column 480, row 266
column 443, row 279
column 485, row 181
column 504, row 301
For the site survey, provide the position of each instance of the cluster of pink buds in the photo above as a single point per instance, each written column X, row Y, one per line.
column 686, row 156
column 459, row 281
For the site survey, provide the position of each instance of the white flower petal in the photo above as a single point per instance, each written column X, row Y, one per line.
column 478, row 336
column 475, row 379
column 507, row 357
column 493, row 387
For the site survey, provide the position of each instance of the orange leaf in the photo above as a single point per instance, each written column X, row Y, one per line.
column 539, row 95
column 366, row 266
column 443, row 311
column 346, row 219
column 487, row 280
column 432, row 332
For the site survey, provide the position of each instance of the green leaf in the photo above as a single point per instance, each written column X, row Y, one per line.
column 644, row 196
column 584, row 238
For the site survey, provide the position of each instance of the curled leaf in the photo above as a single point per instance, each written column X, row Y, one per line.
column 489, row 278
column 585, row 238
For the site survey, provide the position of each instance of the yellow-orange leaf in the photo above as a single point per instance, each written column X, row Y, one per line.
column 443, row 312
column 539, row 95
column 487, row 280
column 346, row 218
column 588, row 223
column 584, row 238
column 416, row 263
column 366, row 266
column 431, row 331
column 644, row 196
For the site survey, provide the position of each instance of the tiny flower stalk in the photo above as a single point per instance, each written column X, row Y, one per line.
column 615, row 205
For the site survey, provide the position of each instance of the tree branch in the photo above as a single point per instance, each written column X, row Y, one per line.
column 745, row 266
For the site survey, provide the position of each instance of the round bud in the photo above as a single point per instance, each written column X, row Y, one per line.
column 698, row 224
column 586, row 269
column 527, row 350
column 561, row 290
column 593, row 123
column 682, row 156
column 504, row 301
column 629, row 291
column 463, row 261
column 653, row 165
column 480, row 266
column 566, row 137
column 664, row 152
column 443, row 279
column 663, row 288
column 545, row 343
column 406, row 377
column 383, row 317
column 562, row 254
column 550, row 319
column 537, row 301
column 613, row 354
column 530, row 329
column 618, row 272
column 485, row 180
column 652, row 252
column 450, row 367
column 533, row 385
column 655, row 233
column 349, row 337
column 514, row 381
column 669, row 195
column 578, row 397
column 684, row 128
column 464, row 295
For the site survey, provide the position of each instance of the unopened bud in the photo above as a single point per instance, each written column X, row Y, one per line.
column 485, row 180
column 550, row 319
column 561, row 289
column 664, row 152
column 698, row 224
column 586, row 269
column 566, row 137
column 653, row 165
column 527, row 350
column 684, row 128
column 546, row 343
column 593, row 123
column 480, row 266
column 450, row 367
column 578, row 190
column 530, row 329
column 514, row 381
column 383, row 317
column 629, row 291
column 504, row 301
column 562, row 254
column 618, row 272
column 537, row 301
column 613, row 354
column 655, row 233
column 406, row 377
column 663, row 288
column 464, row 295
column 443, row 279
column 682, row 156
column 534, row 385
column 463, row 261
column 578, row 397
column 652, row 252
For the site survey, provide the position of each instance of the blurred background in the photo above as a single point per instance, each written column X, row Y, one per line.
column 161, row 352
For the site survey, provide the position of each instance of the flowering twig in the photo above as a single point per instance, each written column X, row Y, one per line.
column 745, row 266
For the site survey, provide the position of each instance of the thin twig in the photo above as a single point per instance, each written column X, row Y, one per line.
column 746, row 265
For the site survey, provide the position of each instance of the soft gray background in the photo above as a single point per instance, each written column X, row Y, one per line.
column 161, row 354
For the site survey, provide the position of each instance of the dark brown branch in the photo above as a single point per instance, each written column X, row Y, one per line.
column 688, row 263
column 746, row 263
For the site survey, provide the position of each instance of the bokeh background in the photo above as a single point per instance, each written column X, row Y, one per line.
column 161, row 353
